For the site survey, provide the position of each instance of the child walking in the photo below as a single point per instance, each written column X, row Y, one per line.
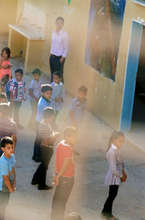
column 7, row 174
column 5, row 66
column 47, row 140
column 116, row 173
column 35, row 94
column 65, row 172
column 78, row 107
column 57, row 92
column 17, row 94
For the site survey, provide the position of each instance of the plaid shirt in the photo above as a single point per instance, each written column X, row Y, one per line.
column 18, row 90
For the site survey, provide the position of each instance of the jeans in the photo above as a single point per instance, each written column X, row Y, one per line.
column 61, row 196
column 4, row 199
column 39, row 176
column 55, row 65
column 16, row 109
column 113, row 191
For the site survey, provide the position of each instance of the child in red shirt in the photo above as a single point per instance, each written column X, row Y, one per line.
column 5, row 66
column 65, row 172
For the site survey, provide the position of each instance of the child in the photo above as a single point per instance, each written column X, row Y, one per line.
column 5, row 66
column 78, row 107
column 44, row 101
column 3, row 98
column 57, row 91
column 73, row 216
column 34, row 93
column 115, row 174
column 7, row 125
column 17, row 89
column 65, row 172
column 7, row 173
column 47, row 140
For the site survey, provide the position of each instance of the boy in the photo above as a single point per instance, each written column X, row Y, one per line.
column 57, row 91
column 7, row 125
column 7, row 173
column 34, row 93
column 44, row 101
column 47, row 140
column 78, row 107
column 65, row 171
column 17, row 94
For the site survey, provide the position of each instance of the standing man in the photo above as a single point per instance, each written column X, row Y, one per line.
column 59, row 48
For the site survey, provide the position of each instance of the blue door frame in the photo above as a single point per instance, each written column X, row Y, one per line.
column 131, row 74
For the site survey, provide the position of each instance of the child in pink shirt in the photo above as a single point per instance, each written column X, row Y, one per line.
column 5, row 66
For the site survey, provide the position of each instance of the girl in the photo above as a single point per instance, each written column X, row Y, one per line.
column 5, row 66
column 115, row 174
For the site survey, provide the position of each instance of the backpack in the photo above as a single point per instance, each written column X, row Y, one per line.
column 7, row 88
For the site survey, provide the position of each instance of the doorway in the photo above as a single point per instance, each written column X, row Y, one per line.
column 130, row 105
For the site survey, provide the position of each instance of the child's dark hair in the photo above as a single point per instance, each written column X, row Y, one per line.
column 36, row 71
column 3, row 95
column 57, row 73
column 69, row 131
column 60, row 18
column 5, row 109
column 46, row 87
column 73, row 216
column 5, row 141
column 48, row 112
column 7, row 50
column 83, row 89
column 19, row 71
column 115, row 135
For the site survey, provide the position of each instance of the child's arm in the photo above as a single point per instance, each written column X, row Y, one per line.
column 8, row 184
column 14, row 181
column 14, row 137
column 65, row 165
column 50, row 140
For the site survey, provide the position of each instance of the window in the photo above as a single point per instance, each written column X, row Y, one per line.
column 104, row 31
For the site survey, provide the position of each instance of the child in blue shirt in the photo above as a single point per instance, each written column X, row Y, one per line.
column 44, row 101
column 57, row 91
column 35, row 94
column 7, row 173
column 78, row 107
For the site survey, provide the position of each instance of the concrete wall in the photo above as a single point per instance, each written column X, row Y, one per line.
column 8, row 10
column 105, row 96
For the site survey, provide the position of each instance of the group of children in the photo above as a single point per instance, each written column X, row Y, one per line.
column 47, row 101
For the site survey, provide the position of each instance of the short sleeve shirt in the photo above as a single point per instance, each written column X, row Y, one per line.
column 6, row 166
column 57, row 92
column 41, row 106
column 45, row 130
column 36, row 88
column 64, row 151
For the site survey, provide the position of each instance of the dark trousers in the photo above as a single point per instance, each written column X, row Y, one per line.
column 36, row 152
column 39, row 176
column 55, row 65
column 61, row 196
column 16, row 109
column 4, row 199
column 113, row 191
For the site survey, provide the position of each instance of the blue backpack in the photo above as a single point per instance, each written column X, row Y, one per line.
column 7, row 88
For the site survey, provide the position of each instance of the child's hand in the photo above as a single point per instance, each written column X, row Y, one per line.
column 56, row 181
column 58, row 99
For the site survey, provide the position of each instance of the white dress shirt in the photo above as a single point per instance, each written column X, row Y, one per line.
column 59, row 43
column 116, row 167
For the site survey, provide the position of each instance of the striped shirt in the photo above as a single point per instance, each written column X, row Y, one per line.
column 116, row 166
column 45, row 131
